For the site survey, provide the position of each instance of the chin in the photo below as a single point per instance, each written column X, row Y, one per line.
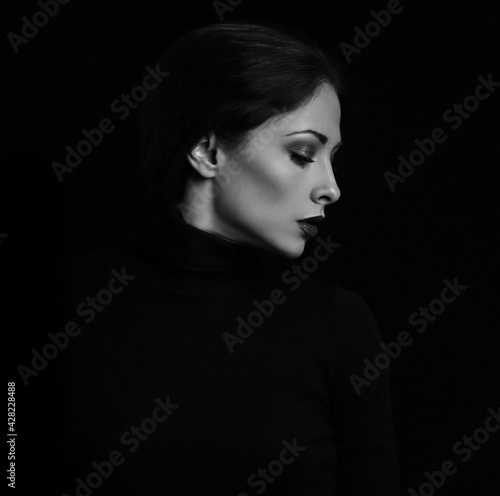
column 291, row 248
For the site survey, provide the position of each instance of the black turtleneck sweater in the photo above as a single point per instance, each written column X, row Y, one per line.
column 200, row 366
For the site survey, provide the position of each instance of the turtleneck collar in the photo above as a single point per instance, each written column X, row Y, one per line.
column 194, row 250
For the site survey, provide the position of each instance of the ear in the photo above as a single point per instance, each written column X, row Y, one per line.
column 203, row 157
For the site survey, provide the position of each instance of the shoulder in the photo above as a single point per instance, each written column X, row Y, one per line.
column 343, row 302
column 349, row 316
column 350, row 306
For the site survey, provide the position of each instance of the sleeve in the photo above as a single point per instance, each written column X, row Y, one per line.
column 361, row 406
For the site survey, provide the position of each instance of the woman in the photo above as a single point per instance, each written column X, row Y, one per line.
column 209, row 360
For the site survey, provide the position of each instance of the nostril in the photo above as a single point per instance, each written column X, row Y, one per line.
column 330, row 198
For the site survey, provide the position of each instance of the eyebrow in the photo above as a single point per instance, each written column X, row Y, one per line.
column 318, row 135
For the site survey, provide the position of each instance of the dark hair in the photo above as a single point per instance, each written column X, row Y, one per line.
column 227, row 79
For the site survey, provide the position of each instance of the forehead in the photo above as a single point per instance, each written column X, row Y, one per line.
column 322, row 114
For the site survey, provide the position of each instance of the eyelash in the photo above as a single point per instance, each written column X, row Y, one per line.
column 303, row 161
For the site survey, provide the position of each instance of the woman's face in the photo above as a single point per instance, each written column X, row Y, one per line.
column 281, row 175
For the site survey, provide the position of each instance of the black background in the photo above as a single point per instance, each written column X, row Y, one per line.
column 397, row 247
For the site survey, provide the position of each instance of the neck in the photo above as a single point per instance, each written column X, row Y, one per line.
column 197, row 207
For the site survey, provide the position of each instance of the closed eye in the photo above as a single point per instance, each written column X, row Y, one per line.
column 301, row 160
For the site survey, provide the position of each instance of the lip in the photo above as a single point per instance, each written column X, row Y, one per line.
column 310, row 224
column 309, row 229
column 315, row 221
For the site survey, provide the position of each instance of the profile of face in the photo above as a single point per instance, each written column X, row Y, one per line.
column 258, row 193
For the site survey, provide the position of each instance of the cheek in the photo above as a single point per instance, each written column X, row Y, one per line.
column 263, row 183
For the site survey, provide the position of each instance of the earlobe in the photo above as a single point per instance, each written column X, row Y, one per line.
column 203, row 157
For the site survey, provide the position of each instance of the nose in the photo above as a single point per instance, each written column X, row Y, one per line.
column 326, row 190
